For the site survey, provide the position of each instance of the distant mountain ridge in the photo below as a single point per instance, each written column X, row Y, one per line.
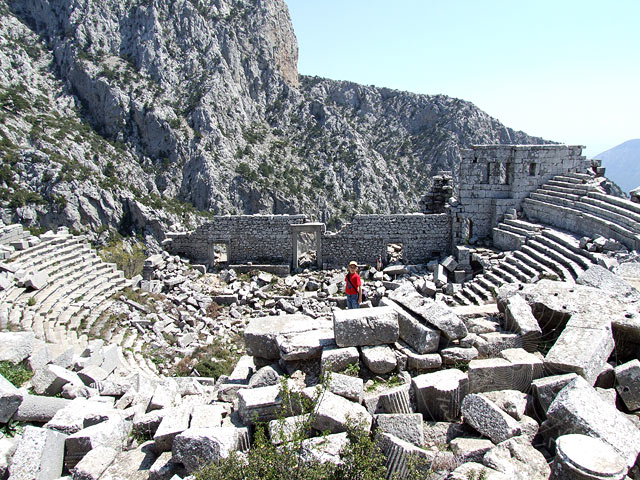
column 623, row 164
column 130, row 113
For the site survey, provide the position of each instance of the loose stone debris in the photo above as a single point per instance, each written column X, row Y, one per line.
column 543, row 386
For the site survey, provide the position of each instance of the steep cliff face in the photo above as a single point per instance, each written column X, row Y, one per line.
column 199, row 101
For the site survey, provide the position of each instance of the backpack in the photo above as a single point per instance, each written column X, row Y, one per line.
column 365, row 295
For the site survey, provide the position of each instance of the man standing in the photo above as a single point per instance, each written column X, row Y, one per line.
column 353, row 286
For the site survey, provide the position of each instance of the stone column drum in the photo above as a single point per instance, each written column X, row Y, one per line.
column 580, row 457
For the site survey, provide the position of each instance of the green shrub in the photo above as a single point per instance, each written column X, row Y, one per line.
column 211, row 361
column 362, row 459
column 129, row 259
column 17, row 374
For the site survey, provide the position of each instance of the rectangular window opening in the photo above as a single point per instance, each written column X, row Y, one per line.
column 307, row 245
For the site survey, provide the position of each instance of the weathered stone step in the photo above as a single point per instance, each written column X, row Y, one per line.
column 571, row 193
column 540, row 253
column 506, row 240
column 480, row 291
column 623, row 203
column 495, row 279
column 518, row 274
column 543, row 270
column 515, row 229
column 473, row 297
column 585, row 177
column 523, row 225
column 572, row 261
column 32, row 257
column 505, row 274
column 609, row 212
column 530, row 273
column 461, row 299
column 567, row 179
column 487, row 284
column 46, row 242
column 66, row 277
column 581, row 256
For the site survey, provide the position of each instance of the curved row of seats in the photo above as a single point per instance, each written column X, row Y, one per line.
column 74, row 303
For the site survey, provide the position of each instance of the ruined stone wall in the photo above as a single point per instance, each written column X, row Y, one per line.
column 248, row 238
column 422, row 236
column 495, row 178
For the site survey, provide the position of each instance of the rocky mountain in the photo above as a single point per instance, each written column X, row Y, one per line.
column 141, row 114
column 623, row 164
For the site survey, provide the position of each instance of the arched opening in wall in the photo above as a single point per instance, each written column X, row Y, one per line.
column 219, row 255
column 306, row 244
column 395, row 253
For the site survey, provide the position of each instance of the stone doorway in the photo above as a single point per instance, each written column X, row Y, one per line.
column 307, row 244
column 218, row 254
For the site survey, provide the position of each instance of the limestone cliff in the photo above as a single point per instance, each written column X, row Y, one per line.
column 127, row 112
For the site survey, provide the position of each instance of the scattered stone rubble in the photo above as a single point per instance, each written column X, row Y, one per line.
column 468, row 393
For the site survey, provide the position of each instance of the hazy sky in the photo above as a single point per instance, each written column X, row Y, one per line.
column 564, row 70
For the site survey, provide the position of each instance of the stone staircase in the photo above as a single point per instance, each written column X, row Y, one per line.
column 547, row 246
column 73, row 305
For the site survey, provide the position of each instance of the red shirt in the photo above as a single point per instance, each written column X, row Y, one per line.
column 355, row 280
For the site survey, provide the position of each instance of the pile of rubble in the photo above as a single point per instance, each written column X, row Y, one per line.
column 547, row 388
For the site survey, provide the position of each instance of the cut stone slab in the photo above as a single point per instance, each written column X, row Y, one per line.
column 164, row 468
column 336, row 359
column 37, row 281
column 439, row 394
column 583, row 347
column 489, row 419
column 389, row 400
column 111, row 359
column 16, row 346
column 441, row 433
column 351, row 388
column 434, row 313
column 41, row 409
column 582, row 456
column 261, row 333
column 628, row 383
column 518, row 459
column 405, row 426
column 603, row 279
column 77, row 413
column 283, row 430
column 470, row 470
column 380, row 359
column 470, row 449
column 304, row 345
column 197, row 447
column 207, row 416
column 94, row 463
column 132, row 464
column 174, row 422
column 333, row 413
column 498, row 374
column 10, row 399
column 578, row 408
column 518, row 318
column 512, row 402
column 545, row 389
column 39, row 455
column 243, row 370
column 51, row 379
column 521, row 359
column 259, row 404
column 324, row 449
column 165, row 395
column 419, row 362
column 114, row 433
column 365, row 326
column 92, row 374
column 7, row 449
column 458, row 355
column 422, row 338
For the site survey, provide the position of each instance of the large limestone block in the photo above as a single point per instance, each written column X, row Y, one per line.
column 603, row 279
column 365, row 326
column 406, row 426
column 196, row 447
column 519, row 318
column 545, row 389
column 579, row 409
column 207, row 416
column 439, row 394
column 304, row 345
column 261, row 333
column 422, row 338
column 351, row 388
column 94, row 463
column 471, row 470
column 389, row 400
column 434, row 313
column 51, row 379
column 78, row 413
column 37, row 280
column 175, row 421
column 37, row 408
column 628, row 383
column 165, row 395
column 518, row 460
column 498, row 374
column 324, row 449
column 39, row 455
column 10, row 399
column 334, row 413
column 470, row 449
column 16, row 346
column 336, row 359
column 284, row 429
column 379, row 359
column 583, row 347
column 132, row 464
column 405, row 458
column 489, row 419
column 243, row 370
column 259, row 404
column 114, row 433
